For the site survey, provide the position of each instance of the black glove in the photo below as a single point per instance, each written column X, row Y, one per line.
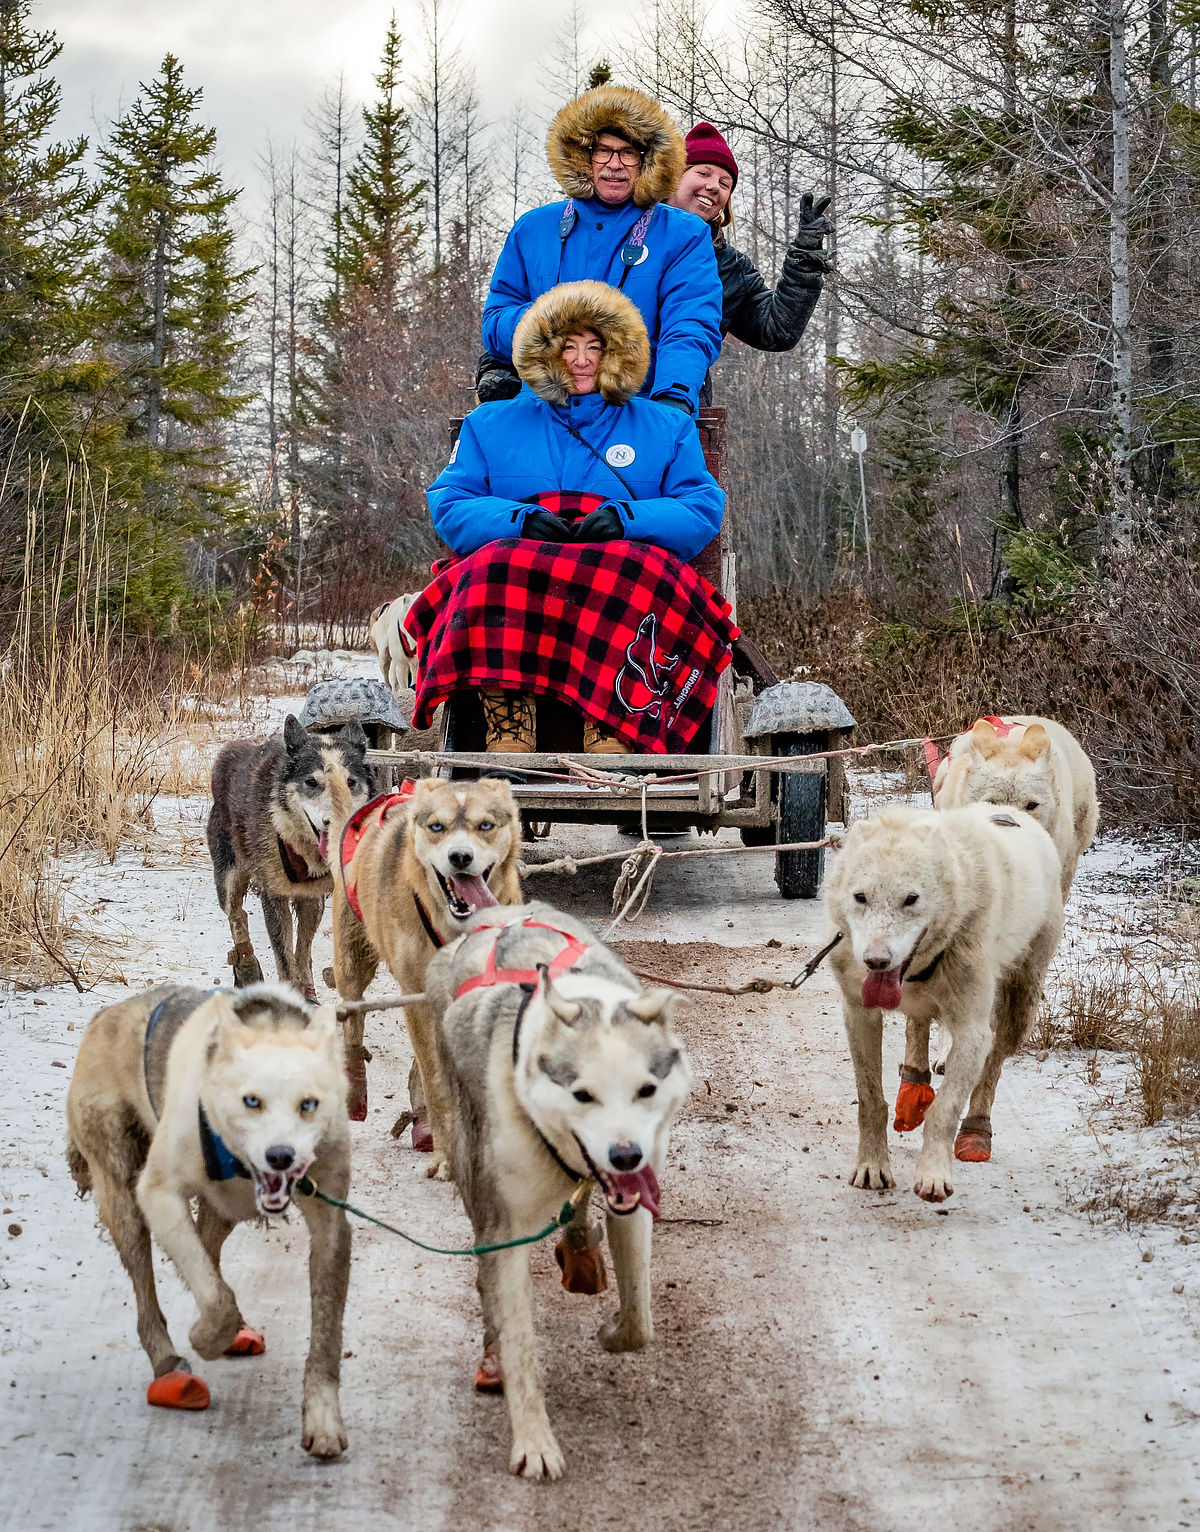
column 814, row 225
column 602, row 526
column 546, row 527
column 675, row 401
column 495, row 380
column 810, row 236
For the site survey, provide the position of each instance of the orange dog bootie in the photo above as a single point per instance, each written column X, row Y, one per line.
column 489, row 1378
column 913, row 1099
column 357, row 1059
column 178, row 1388
column 974, row 1141
column 246, row 1342
column 581, row 1261
column 422, row 1133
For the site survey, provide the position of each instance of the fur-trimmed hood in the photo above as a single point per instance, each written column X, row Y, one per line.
column 616, row 109
column 566, row 310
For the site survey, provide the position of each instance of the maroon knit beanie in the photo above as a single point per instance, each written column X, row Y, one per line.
column 705, row 146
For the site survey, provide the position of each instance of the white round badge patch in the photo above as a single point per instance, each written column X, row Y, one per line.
column 619, row 455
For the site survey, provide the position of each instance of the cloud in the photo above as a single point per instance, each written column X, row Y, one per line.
column 262, row 63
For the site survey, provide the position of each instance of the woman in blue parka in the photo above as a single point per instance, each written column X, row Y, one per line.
column 571, row 511
column 618, row 156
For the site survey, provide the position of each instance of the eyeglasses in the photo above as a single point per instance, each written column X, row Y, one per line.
column 603, row 155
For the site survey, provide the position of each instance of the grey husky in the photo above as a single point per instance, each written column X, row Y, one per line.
column 269, row 831
column 561, row 1072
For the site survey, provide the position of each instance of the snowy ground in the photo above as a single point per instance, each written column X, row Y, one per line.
column 825, row 1358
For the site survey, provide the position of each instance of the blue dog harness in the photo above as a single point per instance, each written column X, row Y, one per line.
column 220, row 1163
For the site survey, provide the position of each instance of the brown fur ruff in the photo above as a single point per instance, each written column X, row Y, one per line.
column 629, row 114
column 567, row 310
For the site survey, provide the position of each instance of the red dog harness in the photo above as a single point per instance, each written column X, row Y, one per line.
column 934, row 757
column 356, row 828
column 567, row 958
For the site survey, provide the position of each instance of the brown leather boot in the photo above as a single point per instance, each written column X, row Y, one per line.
column 510, row 720
column 597, row 742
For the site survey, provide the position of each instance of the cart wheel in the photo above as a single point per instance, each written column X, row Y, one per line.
column 801, row 801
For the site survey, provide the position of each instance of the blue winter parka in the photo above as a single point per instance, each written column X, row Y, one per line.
column 675, row 285
column 508, row 453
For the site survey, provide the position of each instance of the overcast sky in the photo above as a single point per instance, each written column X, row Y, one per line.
column 261, row 63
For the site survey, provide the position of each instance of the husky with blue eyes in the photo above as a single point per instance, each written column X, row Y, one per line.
column 230, row 1099
column 564, row 1075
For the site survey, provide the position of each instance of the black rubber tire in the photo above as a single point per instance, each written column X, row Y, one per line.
column 758, row 835
column 801, row 800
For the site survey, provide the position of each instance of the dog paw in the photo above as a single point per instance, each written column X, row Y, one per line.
column 873, row 1176
column 440, row 1169
column 216, row 1330
column 328, row 979
column 536, row 1455
column 939, row 1065
column 933, row 1186
column 625, row 1334
column 323, row 1435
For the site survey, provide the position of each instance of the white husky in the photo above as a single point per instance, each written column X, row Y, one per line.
column 226, row 1100
column 562, row 1072
column 396, row 650
column 950, row 917
column 1032, row 764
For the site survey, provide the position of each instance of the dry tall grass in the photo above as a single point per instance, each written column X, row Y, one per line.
column 90, row 737
column 1142, row 1001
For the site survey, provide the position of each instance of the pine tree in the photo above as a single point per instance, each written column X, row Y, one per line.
column 381, row 222
column 45, row 203
column 169, row 296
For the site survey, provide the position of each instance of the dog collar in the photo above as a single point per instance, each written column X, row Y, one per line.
column 575, row 1175
column 295, row 866
column 928, row 971
column 220, row 1162
column 430, row 929
column 566, row 1169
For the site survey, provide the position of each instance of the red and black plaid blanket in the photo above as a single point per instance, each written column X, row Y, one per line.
column 623, row 631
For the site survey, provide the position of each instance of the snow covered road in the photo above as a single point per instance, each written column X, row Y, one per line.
column 825, row 1358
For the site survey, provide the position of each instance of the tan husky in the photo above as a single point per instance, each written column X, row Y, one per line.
column 1029, row 763
column 227, row 1100
column 412, row 870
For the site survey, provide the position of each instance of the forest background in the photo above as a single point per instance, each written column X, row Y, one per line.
column 220, row 406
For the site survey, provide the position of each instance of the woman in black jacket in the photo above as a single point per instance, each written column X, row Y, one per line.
column 768, row 320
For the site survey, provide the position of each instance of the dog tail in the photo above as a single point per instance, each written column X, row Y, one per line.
column 81, row 1171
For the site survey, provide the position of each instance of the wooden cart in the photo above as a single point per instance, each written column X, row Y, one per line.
column 770, row 805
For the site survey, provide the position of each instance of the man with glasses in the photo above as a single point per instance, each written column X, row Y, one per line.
column 618, row 156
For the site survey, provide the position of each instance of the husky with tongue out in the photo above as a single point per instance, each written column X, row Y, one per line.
column 268, row 831
column 950, row 917
column 561, row 1071
column 411, row 869
column 226, row 1100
